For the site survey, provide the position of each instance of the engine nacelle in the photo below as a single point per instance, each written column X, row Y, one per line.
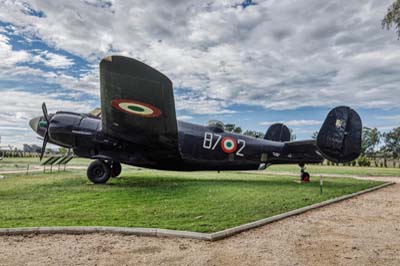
column 339, row 139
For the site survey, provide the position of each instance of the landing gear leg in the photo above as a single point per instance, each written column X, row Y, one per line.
column 304, row 176
column 99, row 172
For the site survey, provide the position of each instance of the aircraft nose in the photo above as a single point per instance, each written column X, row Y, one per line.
column 34, row 123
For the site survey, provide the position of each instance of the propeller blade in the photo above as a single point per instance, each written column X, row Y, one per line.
column 45, row 114
column 46, row 138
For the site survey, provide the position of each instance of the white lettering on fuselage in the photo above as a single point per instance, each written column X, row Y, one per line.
column 209, row 144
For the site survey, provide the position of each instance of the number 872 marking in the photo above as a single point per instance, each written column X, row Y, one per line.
column 208, row 143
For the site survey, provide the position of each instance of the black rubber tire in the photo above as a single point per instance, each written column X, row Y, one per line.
column 305, row 177
column 98, row 172
column 115, row 169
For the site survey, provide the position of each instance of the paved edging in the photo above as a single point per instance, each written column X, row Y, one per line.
column 80, row 230
column 175, row 233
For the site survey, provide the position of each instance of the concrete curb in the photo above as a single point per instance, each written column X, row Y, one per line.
column 81, row 230
column 77, row 230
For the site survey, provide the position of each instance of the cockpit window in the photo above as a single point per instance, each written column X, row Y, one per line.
column 95, row 112
column 216, row 126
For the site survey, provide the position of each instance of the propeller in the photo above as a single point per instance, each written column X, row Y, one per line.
column 45, row 114
column 46, row 132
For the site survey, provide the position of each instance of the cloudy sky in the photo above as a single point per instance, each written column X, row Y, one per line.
column 249, row 63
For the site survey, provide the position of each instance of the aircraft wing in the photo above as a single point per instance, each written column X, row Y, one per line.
column 137, row 103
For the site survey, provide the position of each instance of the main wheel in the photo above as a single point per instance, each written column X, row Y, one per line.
column 98, row 172
column 115, row 169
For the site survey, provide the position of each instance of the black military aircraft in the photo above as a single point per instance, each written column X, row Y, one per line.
column 137, row 126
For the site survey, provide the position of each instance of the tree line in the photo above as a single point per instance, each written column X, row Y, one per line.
column 380, row 149
column 252, row 133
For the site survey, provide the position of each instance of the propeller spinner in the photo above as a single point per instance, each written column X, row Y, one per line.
column 40, row 125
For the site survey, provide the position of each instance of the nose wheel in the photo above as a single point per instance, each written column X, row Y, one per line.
column 304, row 176
column 99, row 172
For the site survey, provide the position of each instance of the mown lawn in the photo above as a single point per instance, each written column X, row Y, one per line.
column 199, row 201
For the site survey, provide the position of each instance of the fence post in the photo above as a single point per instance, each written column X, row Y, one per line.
column 321, row 182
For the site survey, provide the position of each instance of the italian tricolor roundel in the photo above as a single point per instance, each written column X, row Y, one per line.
column 228, row 144
column 136, row 108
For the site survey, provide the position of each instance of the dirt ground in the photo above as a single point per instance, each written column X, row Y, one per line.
column 361, row 231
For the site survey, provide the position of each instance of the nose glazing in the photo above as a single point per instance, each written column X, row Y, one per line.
column 34, row 123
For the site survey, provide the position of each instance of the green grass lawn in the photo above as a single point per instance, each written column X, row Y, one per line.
column 198, row 201
column 344, row 170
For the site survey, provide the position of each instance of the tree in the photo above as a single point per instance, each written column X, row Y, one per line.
column 229, row 127
column 36, row 148
column 314, row 135
column 63, row 151
column 238, row 130
column 371, row 137
column 292, row 135
column 375, row 139
column 27, row 148
column 233, row 128
column 392, row 142
column 253, row 133
column 364, row 140
column 392, row 17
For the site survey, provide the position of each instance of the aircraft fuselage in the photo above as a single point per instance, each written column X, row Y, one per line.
column 200, row 147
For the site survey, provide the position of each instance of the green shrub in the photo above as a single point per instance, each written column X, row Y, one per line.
column 363, row 161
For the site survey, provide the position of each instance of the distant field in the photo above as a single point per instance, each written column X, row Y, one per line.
column 343, row 170
column 197, row 201
column 21, row 163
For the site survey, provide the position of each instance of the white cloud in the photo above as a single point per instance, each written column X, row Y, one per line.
column 18, row 107
column 184, row 117
column 200, row 104
column 11, row 68
column 10, row 58
column 294, row 123
column 394, row 118
column 53, row 60
column 276, row 54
